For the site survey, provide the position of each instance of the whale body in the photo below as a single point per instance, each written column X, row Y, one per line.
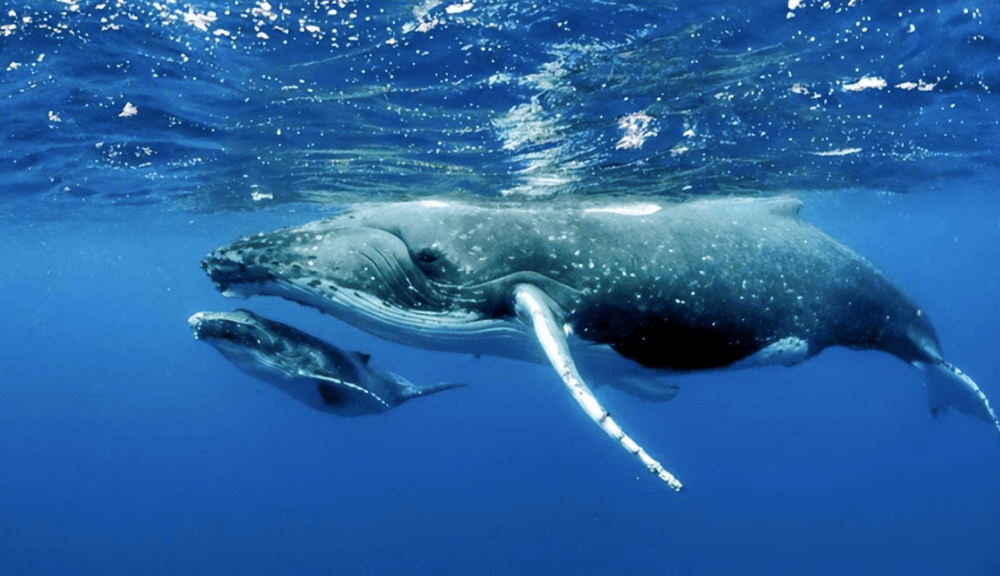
column 612, row 291
column 306, row 368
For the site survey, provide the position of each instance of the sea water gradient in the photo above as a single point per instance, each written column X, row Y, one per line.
column 138, row 136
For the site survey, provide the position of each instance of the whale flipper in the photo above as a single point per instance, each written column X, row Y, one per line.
column 949, row 386
column 534, row 309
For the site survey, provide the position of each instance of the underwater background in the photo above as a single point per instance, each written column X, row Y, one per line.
column 137, row 136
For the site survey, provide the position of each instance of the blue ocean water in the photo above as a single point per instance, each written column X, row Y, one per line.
column 138, row 136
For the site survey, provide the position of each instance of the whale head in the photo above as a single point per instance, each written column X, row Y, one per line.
column 426, row 273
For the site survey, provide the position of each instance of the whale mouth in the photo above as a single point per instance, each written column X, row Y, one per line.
column 230, row 326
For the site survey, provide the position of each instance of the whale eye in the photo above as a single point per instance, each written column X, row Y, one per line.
column 428, row 256
column 430, row 261
column 433, row 262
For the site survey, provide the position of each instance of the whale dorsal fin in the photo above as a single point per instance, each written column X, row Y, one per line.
column 787, row 206
column 535, row 309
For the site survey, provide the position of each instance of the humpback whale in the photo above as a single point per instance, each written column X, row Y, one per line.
column 304, row 367
column 609, row 291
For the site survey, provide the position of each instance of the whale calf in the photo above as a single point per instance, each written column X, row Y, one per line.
column 611, row 291
column 304, row 367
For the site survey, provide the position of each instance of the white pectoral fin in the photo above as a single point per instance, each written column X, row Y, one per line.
column 534, row 308
column 949, row 386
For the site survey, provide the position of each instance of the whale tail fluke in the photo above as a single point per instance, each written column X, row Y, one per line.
column 947, row 386
column 407, row 390
column 434, row 388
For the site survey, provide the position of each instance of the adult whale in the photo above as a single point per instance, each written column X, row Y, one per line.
column 622, row 288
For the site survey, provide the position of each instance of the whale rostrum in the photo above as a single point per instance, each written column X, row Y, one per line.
column 616, row 292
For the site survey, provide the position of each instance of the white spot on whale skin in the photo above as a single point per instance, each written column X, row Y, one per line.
column 629, row 210
column 433, row 204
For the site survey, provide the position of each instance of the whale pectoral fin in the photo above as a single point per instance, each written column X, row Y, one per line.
column 949, row 386
column 534, row 309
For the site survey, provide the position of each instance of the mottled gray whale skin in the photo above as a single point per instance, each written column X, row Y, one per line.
column 688, row 286
column 655, row 286
column 304, row 367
